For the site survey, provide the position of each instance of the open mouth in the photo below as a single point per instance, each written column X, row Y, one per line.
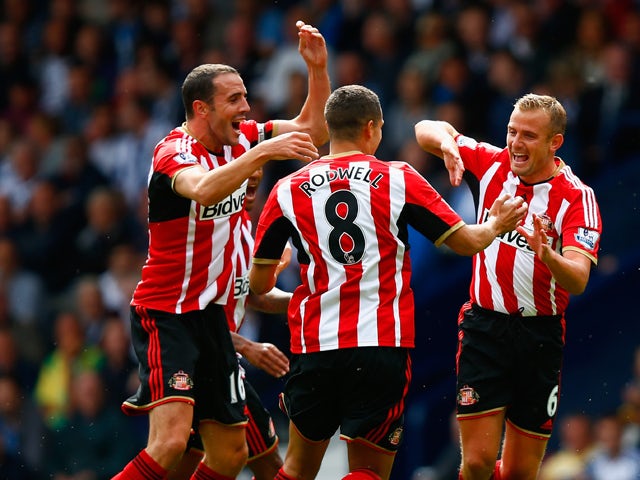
column 519, row 157
column 236, row 126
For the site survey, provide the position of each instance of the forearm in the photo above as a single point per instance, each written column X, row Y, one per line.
column 570, row 271
column 431, row 134
column 471, row 239
column 209, row 188
column 311, row 117
column 240, row 343
column 274, row 301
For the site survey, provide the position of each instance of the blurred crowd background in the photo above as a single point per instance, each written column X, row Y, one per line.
column 87, row 87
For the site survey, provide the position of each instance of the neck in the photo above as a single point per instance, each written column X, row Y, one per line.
column 200, row 135
column 338, row 147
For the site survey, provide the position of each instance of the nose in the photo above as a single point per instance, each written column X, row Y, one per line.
column 245, row 105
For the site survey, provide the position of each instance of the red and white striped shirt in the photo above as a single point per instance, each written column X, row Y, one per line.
column 347, row 216
column 507, row 276
column 191, row 260
column 236, row 304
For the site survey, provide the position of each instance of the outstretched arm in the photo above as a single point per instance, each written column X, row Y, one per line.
column 313, row 49
column 505, row 215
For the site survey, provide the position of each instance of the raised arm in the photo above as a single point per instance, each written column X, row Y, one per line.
column 313, row 49
column 439, row 139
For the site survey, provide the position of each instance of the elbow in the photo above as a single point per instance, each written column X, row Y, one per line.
column 258, row 285
column 577, row 288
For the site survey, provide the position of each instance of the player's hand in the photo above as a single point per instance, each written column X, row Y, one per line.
column 312, row 46
column 267, row 357
column 538, row 239
column 509, row 212
column 453, row 161
column 291, row 145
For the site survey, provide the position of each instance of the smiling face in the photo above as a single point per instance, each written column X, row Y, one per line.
column 531, row 145
column 227, row 109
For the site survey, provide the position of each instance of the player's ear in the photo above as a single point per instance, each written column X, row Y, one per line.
column 369, row 129
column 200, row 107
column 556, row 141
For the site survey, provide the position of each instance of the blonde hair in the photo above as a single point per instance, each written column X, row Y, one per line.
column 550, row 105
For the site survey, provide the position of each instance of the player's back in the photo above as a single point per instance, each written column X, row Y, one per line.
column 348, row 215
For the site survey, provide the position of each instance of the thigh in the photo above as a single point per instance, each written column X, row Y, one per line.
column 483, row 364
column 219, row 390
column 167, row 356
column 310, row 395
column 374, row 384
column 537, row 378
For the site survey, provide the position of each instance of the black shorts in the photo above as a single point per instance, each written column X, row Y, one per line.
column 261, row 433
column 509, row 362
column 190, row 358
column 359, row 390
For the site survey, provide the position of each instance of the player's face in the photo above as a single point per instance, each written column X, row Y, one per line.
column 531, row 145
column 228, row 108
column 252, row 188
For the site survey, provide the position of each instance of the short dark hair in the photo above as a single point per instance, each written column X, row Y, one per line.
column 198, row 85
column 349, row 109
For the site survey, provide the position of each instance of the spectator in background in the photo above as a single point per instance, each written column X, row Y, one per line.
column 70, row 356
column 433, row 45
column 577, row 447
column 109, row 223
column 120, row 370
column 81, row 100
column 118, row 281
column 138, row 134
column 13, row 363
column 609, row 116
column 95, row 440
column 44, row 131
column 53, row 66
column 612, row 460
column 21, row 432
column 15, row 64
column 629, row 410
column 87, row 303
column 75, row 178
column 94, row 51
column 18, row 175
column 507, row 80
column 45, row 240
column 411, row 104
column 383, row 54
column 26, row 300
column 472, row 29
